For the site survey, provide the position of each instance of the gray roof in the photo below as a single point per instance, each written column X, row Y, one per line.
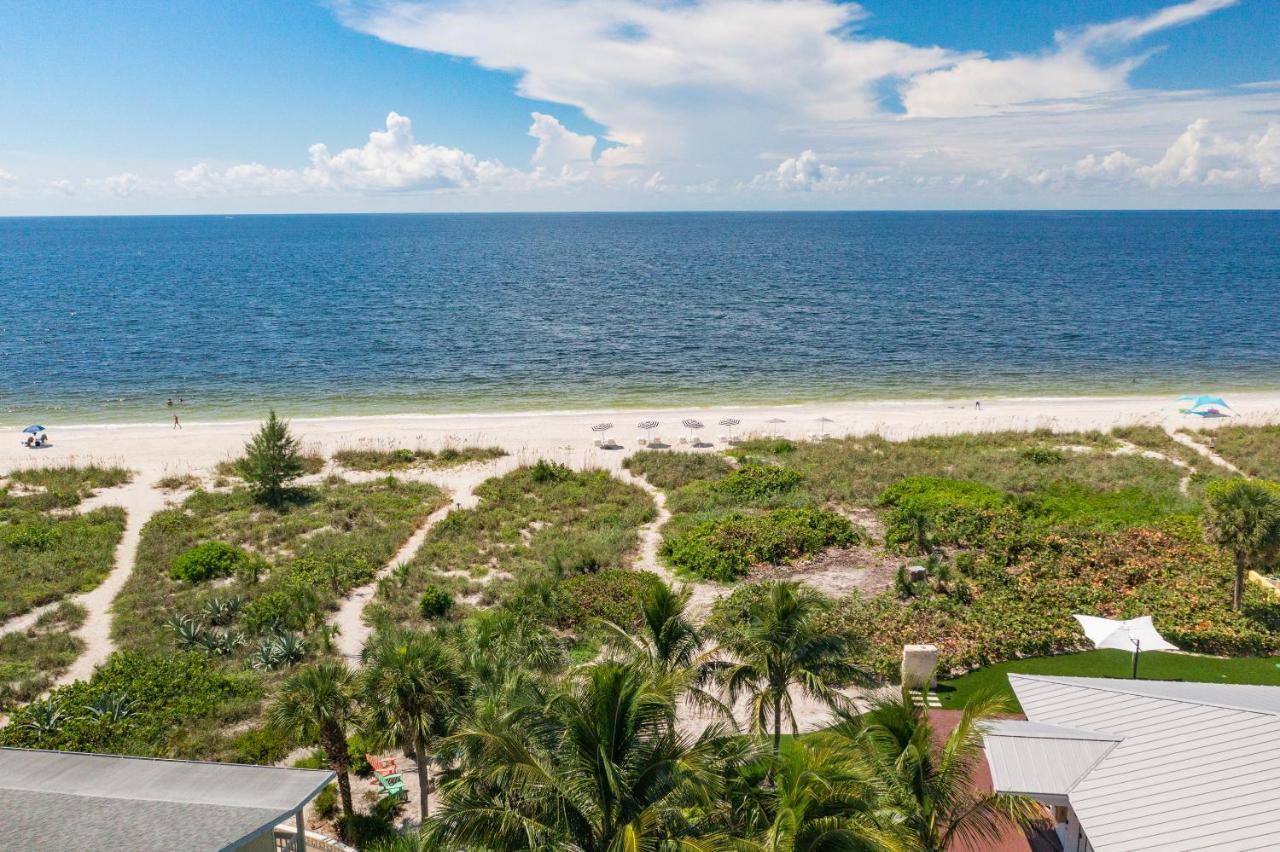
column 1032, row 759
column 1198, row 765
column 69, row 800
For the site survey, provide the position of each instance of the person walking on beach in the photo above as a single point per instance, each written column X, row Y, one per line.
column 176, row 424
column 977, row 404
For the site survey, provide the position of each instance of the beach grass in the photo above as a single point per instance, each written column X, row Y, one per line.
column 670, row 470
column 342, row 530
column 59, row 486
column 30, row 660
column 537, row 522
column 367, row 458
column 313, row 462
column 1152, row 665
column 1253, row 449
column 47, row 556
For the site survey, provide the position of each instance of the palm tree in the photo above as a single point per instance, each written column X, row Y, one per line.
column 316, row 705
column 823, row 799
column 1242, row 517
column 930, row 786
column 411, row 685
column 669, row 646
column 599, row 767
column 780, row 647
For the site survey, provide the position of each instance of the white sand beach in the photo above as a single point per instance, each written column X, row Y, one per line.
column 157, row 450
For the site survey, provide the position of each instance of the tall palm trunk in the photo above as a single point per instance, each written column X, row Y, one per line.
column 1237, row 594
column 424, row 773
column 334, row 743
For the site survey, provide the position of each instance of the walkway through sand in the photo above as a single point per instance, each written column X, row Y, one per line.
column 1187, row 441
column 142, row 501
column 702, row 595
column 461, row 482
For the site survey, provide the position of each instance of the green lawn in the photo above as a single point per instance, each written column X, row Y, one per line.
column 1118, row 664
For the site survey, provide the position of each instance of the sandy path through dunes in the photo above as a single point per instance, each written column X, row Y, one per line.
column 141, row 501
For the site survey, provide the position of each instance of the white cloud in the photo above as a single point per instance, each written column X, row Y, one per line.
column 7, row 178
column 1071, row 71
column 558, row 147
column 806, row 173
column 1198, row 157
column 391, row 161
column 121, row 185
column 63, row 186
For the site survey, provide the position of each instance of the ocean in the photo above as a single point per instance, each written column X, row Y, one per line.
column 103, row 319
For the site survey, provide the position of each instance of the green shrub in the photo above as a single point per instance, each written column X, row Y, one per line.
column 1043, row 455
column 725, row 548
column 264, row 746
column 544, row 472
column 615, row 594
column 44, row 557
column 762, row 447
column 326, row 802
column 435, row 602
column 669, row 470
column 207, row 561
column 753, row 482
column 154, row 701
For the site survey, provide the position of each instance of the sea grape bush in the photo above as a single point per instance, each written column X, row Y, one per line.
column 725, row 548
column 207, row 561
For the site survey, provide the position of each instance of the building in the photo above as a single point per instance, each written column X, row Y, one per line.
column 1130, row 765
column 72, row 801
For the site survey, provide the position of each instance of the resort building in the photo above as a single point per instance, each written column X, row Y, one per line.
column 67, row 800
column 1130, row 765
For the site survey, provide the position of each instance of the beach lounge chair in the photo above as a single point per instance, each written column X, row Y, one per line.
column 642, row 442
column 385, row 765
column 392, row 785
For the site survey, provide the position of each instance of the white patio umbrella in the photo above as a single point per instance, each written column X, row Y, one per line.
column 774, row 421
column 822, row 425
column 1135, row 635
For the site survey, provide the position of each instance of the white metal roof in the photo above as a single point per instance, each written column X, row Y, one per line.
column 1033, row 759
column 1198, row 766
column 69, row 800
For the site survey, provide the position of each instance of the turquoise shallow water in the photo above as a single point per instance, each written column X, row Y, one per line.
column 103, row 319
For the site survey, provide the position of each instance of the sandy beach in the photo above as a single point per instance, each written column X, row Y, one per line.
column 157, row 449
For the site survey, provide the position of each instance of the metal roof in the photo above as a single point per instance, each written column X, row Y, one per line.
column 70, row 800
column 1198, row 766
column 1041, row 760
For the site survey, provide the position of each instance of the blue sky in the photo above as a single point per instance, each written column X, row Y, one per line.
column 636, row 104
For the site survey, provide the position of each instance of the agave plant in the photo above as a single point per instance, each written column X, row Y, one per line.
column 45, row 717
column 222, row 611
column 277, row 651
column 112, row 707
column 189, row 632
column 221, row 643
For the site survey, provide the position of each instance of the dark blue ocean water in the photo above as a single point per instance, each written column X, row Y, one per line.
column 104, row 318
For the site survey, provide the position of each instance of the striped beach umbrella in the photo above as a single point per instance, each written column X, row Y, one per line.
column 692, row 425
column 647, row 425
column 602, row 427
column 730, row 422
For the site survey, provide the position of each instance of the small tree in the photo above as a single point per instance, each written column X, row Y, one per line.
column 271, row 461
column 316, row 705
column 1242, row 517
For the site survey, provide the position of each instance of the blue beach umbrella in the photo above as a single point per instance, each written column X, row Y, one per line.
column 1204, row 399
column 32, row 430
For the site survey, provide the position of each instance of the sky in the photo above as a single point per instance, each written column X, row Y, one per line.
column 186, row 106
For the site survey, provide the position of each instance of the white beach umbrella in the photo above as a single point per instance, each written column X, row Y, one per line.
column 822, row 425
column 774, row 421
column 1134, row 635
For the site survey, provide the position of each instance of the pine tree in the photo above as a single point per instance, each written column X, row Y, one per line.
column 271, row 461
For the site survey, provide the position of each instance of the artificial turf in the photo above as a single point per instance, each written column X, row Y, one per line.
column 1117, row 664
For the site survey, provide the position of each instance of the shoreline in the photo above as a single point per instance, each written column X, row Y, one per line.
column 156, row 449
column 1161, row 401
